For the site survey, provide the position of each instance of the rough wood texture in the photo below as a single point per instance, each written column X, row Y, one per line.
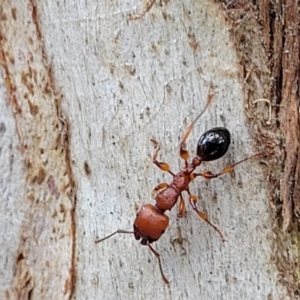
column 289, row 115
column 276, row 126
column 38, row 234
column 123, row 82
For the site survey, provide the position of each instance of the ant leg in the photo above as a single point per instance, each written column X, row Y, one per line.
column 158, row 188
column 209, row 175
column 184, row 154
column 107, row 237
column 146, row 7
column 159, row 262
column 162, row 165
column 181, row 209
column 193, row 200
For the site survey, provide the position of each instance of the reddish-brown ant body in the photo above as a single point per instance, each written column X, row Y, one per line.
column 151, row 220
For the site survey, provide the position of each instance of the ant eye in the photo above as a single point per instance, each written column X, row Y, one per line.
column 213, row 144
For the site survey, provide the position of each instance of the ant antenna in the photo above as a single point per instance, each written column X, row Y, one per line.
column 159, row 262
column 109, row 236
column 157, row 255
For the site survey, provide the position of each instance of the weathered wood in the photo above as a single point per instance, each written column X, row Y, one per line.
column 38, row 200
column 121, row 83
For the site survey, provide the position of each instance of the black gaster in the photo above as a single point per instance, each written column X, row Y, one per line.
column 213, row 143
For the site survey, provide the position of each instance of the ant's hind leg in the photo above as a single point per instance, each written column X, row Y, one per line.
column 184, row 154
column 209, row 175
column 181, row 208
column 193, row 200
column 162, row 165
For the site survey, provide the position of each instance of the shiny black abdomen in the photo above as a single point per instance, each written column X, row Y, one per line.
column 213, row 143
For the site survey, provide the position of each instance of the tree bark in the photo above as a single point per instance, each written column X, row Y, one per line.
column 84, row 88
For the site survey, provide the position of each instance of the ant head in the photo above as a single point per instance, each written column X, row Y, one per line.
column 213, row 144
column 149, row 224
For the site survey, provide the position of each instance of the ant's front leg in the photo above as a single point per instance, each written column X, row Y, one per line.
column 209, row 175
column 158, row 189
column 162, row 165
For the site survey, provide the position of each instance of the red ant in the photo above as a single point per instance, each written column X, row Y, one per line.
column 151, row 221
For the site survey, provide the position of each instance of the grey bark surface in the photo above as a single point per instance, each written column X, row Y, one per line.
column 121, row 83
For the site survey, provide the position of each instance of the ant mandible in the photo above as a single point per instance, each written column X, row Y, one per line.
column 151, row 220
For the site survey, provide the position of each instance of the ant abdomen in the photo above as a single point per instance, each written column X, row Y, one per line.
column 213, row 143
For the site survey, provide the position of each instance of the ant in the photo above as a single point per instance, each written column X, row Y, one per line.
column 151, row 220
